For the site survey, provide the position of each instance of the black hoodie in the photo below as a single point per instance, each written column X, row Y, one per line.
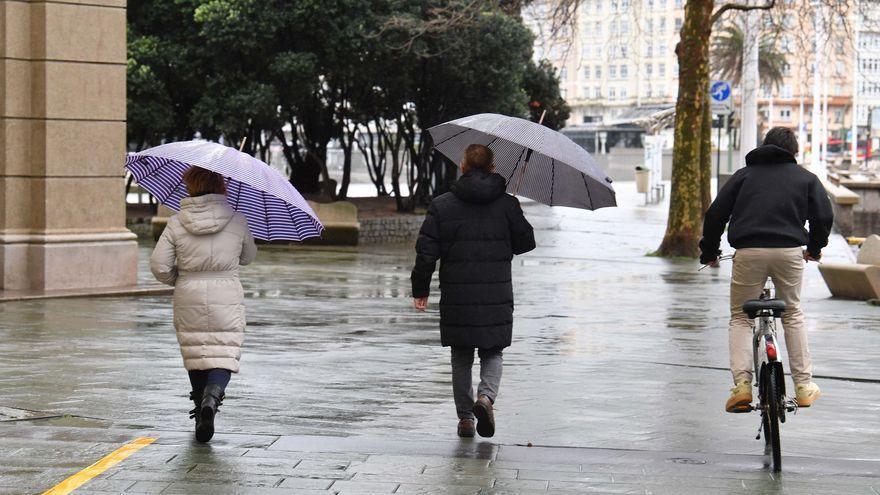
column 474, row 231
column 768, row 202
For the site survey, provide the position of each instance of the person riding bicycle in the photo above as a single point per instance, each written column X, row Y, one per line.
column 767, row 203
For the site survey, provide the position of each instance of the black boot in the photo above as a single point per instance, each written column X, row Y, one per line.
column 196, row 397
column 211, row 400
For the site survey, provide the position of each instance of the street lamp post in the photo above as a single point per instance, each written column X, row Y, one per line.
column 816, row 164
column 854, row 124
column 750, row 78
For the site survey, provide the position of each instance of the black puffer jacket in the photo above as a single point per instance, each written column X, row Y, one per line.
column 474, row 231
column 767, row 203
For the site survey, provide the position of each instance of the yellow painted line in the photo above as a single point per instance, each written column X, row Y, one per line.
column 108, row 461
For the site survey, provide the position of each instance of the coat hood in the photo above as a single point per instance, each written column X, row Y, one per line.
column 206, row 214
column 769, row 154
column 479, row 186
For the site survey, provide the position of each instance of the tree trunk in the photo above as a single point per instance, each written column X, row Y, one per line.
column 347, row 148
column 706, row 154
column 686, row 196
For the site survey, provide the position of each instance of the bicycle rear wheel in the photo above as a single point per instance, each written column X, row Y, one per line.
column 773, row 400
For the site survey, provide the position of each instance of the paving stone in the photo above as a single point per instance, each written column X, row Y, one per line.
column 519, row 484
column 306, row 483
column 472, row 470
column 148, row 487
column 438, row 489
column 102, row 484
column 182, row 488
column 363, row 487
column 428, row 479
column 535, row 466
column 525, row 474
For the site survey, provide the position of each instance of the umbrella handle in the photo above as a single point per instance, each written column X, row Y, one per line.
column 523, row 173
column 243, row 141
column 528, row 157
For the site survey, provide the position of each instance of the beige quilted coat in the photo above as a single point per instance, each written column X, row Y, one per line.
column 199, row 254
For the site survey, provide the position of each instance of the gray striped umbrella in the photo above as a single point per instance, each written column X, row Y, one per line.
column 274, row 209
column 537, row 162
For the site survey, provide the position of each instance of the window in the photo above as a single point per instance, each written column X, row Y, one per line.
column 649, row 50
column 612, row 94
column 623, row 51
column 785, row 114
column 587, row 72
column 624, row 28
column 839, row 67
column 649, row 26
column 624, row 71
column 563, row 92
column 839, row 47
column 662, row 25
column 838, row 116
column 785, row 91
column 622, row 93
column 785, row 44
column 786, row 69
column 678, row 24
column 612, row 72
column 597, row 92
column 661, row 49
column 598, row 28
column 678, row 4
column 648, row 92
column 838, row 90
column 598, row 72
column 661, row 69
column 661, row 92
column 563, row 73
column 649, row 69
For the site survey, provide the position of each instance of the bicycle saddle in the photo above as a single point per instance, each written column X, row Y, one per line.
column 754, row 306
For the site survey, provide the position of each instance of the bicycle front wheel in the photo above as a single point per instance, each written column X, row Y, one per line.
column 771, row 415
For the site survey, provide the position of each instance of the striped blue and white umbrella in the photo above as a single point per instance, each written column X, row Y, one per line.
column 537, row 162
column 275, row 210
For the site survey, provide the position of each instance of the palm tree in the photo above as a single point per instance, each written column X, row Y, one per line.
column 727, row 58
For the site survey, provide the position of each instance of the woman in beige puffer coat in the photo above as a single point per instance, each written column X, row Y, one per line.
column 199, row 254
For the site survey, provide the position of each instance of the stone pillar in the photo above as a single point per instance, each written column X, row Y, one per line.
column 62, row 146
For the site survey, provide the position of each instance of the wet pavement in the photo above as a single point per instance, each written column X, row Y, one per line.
column 619, row 354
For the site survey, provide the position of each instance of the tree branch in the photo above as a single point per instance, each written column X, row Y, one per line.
column 741, row 7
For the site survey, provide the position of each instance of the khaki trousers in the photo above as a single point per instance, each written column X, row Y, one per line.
column 751, row 267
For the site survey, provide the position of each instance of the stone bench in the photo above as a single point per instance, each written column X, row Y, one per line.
column 860, row 280
column 842, row 201
column 340, row 220
column 341, row 226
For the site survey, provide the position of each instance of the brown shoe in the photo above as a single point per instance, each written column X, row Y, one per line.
column 466, row 428
column 740, row 400
column 485, row 417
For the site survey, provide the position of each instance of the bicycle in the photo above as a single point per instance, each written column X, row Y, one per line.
column 769, row 375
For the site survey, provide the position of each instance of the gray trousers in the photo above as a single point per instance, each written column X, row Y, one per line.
column 462, row 377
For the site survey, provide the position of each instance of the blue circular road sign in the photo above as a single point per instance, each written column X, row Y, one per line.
column 720, row 90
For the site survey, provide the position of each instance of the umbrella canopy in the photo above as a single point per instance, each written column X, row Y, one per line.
column 538, row 162
column 274, row 209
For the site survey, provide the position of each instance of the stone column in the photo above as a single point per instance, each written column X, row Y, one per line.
column 62, row 146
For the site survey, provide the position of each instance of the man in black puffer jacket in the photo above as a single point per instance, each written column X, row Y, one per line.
column 474, row 231
column 768, row 202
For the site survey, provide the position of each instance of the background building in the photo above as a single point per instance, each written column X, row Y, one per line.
column 617, row 55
